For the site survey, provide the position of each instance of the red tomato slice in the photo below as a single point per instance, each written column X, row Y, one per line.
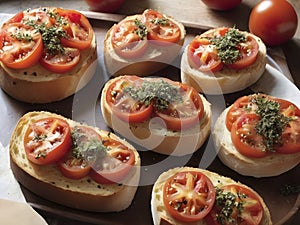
column 79, row 30
column 76, row 164
column 47, row 140
column 38, row 16
column 244, row 104
column 115, row 166
column 186, row 113
column 73, row 168
column 249, row 212
column 248, row 54
column 128, row 39
column 123, row 105
column 189, row 196
column 21, row 46
column 245, row 138
column 160, row 28
column 61, row 62
column 202, row 55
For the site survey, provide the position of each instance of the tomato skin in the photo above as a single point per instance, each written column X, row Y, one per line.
column 47, row 140
column 75, row 164
column 252, row 210
column 161, row 33
column 120, row 159
column 20, row 54
column 133, row 112
column 245, row 138
column 221, row 4
column 274, row 21
column 248, row 52
column 61, row 63
column 241, row 120
column 192, row 104
column 73, row 168
column 108, row 6
column 79, row 30
column 188, row 196
column 126, row 42
column 203, row 56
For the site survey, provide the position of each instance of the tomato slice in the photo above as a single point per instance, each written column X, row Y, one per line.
column 129, row 38
column 76, row 164
column 245, row 138
column 115, row 166
column 203, row 56
column 185, row 113
column 248, row 54
column 123, row 105
column 235, row 204
column 61, row 62
column 189, row 196
column 160, row 28
column 38, row 16
column 21, row 46
column 79, row 30
column 47, row 140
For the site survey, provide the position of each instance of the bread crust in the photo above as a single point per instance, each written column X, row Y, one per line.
column 159, row 212
column 156, row 57
column 226, row 80
column 49, row 183
column 153, row 136
column 271, row 165
column 39, row 85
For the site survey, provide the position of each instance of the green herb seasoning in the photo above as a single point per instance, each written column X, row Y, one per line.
column 160, row 21
column 85, row 147
column 227, row 45
column 51, row 35
column 141, row 29
column 22, row 37
column 272, row 123
column 160, row 93
column 229, row 204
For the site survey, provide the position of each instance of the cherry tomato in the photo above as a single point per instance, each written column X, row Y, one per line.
column 274, row 21
column 245, row 205
column 47, row 140
column 161, row 29
column 185, row 113
column 76, row 164
column 245, row 138
column 61, row 62
column 202, row 55
column 129, row 39
column 123, row 105
column 107, row 6
column 115, row 165
column 188, row 196
column 79, row 30
column 21, row 46
column 221, row 4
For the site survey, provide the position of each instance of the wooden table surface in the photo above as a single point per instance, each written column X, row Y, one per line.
column 192, row 13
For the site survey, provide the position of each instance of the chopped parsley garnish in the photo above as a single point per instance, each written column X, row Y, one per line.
column 272, row 123
column 51, row 35
column 85, row 147
column 227, row 45
column 160, row 21
column 229, row 204
column 22, row 37
column 142, row 29
column 160, row 93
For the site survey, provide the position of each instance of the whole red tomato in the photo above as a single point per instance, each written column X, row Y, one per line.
column 107, row 6
column 274, row 21
column 221, row 4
